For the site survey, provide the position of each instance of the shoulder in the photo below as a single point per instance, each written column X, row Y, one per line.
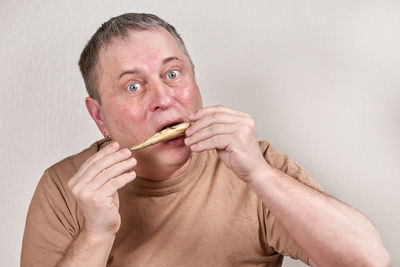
column 56, row 177
column 273, row 156
column 54, row 218
column 285, row 163
column 67, row 167
column 52, row 192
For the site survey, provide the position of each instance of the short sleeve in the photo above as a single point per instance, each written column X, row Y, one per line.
column 275, row 234
column 51, row 223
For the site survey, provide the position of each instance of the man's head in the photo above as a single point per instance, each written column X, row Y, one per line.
column 118, row 27
column 145, row 80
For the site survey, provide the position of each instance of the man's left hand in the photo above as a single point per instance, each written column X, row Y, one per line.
column 234, row 136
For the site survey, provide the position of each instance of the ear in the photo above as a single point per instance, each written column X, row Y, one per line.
column 96, row 112
column 194, row 74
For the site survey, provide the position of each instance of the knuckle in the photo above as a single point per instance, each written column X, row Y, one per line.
column 241, row 136
column 105, row 172
column 247, row 116
column 95, row 199
column 70, row 183
column 251, row 122
column 84, row 195
column 246, row 129
column 96, row 166
column 217, row 140
column 115, row 183
column 212, row 128
column 74, row 191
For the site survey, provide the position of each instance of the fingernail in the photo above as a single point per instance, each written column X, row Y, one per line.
column 187, row 141
column 127, row 152
column 114, row 145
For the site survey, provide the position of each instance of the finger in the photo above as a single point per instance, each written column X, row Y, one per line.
column 110, row 173
column 113, row 185
column 103, row 163
column 208, row 132
column 221, row 142
column 213, row 109
column 214, row 118
column 111, row 148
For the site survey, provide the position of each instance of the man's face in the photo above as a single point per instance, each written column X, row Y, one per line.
column 146, row 82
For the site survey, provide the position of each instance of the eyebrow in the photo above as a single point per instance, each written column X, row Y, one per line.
column 137, row 70
column 169, row 59
column 131, row 71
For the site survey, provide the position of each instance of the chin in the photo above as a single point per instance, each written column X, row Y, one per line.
column 176, row 156
column 164, row 155
column 160, row 164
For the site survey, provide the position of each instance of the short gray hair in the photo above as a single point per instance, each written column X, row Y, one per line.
column 113, row 28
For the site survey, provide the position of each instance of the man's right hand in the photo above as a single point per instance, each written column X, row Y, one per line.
column 95, row 187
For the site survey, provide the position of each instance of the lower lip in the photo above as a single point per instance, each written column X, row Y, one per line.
column 176, row 141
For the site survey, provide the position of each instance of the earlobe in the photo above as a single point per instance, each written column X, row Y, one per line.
column 96, row 112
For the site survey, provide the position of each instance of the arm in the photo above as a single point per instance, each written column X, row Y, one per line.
column 332, row 233
column 75, row 225
column 88, row 250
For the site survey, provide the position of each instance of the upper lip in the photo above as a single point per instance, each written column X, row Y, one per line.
column 168, row 122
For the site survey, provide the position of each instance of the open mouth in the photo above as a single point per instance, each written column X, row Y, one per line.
column 169, row 125
column 171, row 132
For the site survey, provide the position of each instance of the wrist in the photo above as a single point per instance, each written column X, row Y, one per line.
column 97, row 237
column 259, row 174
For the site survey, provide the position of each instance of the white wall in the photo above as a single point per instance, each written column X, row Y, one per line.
column 320, row 78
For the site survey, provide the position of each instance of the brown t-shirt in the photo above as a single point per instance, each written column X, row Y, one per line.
column 204, row 217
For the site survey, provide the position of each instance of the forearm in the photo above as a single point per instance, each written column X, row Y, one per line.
column 88, row 250
column 331, row 232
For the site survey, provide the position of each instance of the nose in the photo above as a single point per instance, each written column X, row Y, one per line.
column 162, row 97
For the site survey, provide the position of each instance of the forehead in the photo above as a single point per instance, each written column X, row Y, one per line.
column 139, row 47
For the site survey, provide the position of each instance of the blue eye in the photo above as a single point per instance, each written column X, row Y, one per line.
column 133, row 87
column 173, row 74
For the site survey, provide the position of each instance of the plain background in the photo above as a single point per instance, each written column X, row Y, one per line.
column 320, row 78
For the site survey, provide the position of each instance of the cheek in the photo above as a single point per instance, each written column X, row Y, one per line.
column 191, row 97
column 124, row 118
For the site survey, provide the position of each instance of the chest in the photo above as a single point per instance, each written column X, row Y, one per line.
column 203, row 225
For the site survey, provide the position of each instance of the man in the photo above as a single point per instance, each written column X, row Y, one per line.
column 216, row 197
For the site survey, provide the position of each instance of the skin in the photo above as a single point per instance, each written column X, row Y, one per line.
column 165, row 91
column 132, row 117
column 331, row 232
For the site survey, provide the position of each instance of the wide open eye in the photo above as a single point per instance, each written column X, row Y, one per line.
column 173, row 74
column 133, row 87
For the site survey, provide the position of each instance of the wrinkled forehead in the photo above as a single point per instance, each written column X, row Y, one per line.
column 145, row 50
column 143, row 45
